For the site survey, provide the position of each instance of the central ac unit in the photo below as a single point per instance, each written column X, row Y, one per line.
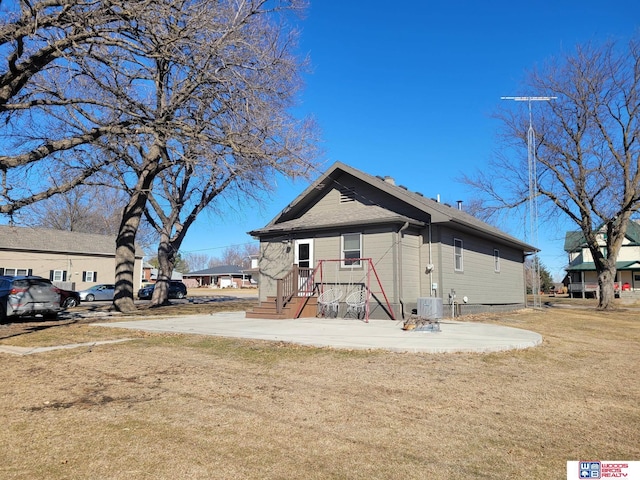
column 430, row 307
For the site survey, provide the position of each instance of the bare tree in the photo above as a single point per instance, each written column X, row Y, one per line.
column 50, row 112
column 187, row 189
column 220, row 81
column 196, row 261
column 137, row 88
column 239, row 255
column 87, row 209
column 588, row 149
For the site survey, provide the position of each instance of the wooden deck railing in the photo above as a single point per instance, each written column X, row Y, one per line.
column 299, row 281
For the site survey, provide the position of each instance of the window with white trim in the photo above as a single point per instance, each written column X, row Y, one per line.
column 457, row 255
column 13, row 272
column 58, row 276
column 351, row 249
column 496, row 260
column 89, row 276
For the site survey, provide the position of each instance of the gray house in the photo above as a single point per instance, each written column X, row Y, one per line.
column 350, row 231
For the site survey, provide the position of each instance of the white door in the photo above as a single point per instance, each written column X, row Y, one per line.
column 304, row 259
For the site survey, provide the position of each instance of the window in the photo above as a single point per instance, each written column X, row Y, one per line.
column 58, row 276
column 457, row 255
column 12, row 272
column 89, row 276
column 496, row 260
column 351, row 249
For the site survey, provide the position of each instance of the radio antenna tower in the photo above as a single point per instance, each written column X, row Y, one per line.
column 533, row 195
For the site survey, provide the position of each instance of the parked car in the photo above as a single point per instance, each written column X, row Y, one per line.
column 177, row 289
column 27, row 296
column 98, row 292
column 68, row 298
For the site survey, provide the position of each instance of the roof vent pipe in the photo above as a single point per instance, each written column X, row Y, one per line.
column 459, row 204
column 438, row 198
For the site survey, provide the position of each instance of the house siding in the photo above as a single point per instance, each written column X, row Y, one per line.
column 275, row 261
column 412, row 274
column 365, row 196
column 478, row 281
column 429, row 255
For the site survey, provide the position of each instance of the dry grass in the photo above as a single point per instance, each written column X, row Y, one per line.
column 193, row 407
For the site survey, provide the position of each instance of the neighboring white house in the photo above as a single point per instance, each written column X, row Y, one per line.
column 582, row 278
column 71, row 260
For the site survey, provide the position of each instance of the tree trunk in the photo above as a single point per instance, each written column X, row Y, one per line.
column 605, row 286
column 166, row 263
column 125, row 254
column 126, row 240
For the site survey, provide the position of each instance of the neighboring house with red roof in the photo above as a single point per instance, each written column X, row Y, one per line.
column 71, row 260
column 350, row 230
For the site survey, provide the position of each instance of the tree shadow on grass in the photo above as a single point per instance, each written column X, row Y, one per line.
column 25, row 325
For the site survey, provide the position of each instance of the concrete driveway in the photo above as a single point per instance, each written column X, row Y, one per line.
column 343, row 333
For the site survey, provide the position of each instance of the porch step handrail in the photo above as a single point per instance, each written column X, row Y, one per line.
column 290, row 285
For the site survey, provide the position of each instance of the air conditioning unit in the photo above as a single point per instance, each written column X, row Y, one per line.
column 430, row 307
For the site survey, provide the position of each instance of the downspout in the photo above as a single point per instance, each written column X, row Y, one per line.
column 401, row 279
column 431, row 263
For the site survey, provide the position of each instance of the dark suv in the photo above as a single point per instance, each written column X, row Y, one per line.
column 177, row 289
column 27, row 296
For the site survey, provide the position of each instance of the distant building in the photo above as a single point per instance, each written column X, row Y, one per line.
column 582, row 277
column 223, row 276
column 71, row 260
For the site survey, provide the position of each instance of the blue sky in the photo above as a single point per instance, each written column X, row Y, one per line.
column 407, row 89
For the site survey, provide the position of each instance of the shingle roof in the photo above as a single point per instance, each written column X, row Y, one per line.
column 591, row 266
column 321, row 220
column 58, row 241
column 219, row 270
column 574, row 240
column 291, row 217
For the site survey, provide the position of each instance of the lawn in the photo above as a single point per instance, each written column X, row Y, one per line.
column 193, row 407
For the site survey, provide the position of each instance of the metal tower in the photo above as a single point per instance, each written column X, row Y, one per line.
column 533, row 195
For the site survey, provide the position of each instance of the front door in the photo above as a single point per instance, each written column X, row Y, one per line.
column 304, row 259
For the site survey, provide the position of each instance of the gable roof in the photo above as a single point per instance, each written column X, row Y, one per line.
column 57, row 241
column 574, row 240
column 291, row 218
column 219, row 270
